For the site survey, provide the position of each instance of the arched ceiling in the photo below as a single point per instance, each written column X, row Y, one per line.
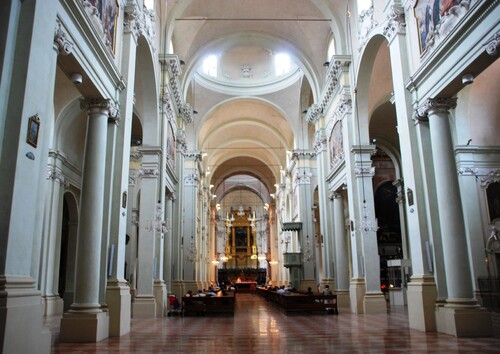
column 242, row 129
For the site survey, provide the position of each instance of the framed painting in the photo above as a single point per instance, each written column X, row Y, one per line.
column 107, row 12
column 33, row 130
column 428, row 14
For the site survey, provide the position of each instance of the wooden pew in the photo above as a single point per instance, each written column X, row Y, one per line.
column 203, row 305
column 299, row 302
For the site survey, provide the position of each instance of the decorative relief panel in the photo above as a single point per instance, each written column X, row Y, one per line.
column 191, row 179
column 336, row 144
column 140, row 23
column 366, row 24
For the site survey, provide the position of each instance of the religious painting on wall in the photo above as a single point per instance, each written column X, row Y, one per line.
column 493, row 196
column 170, row 146
column 336, row 144
column 429, row 15
column 107, row 12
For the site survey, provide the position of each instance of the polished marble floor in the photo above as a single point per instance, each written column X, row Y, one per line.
column 257, row 327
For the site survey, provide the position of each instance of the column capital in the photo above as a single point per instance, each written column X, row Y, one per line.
column 434, row 105
column 62, row 45
column 105, row 106
column 492, row 45
column 395, row 22
column 139, row 22
column 332, row 195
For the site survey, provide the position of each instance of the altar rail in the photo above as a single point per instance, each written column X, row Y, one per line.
column 300, row 302
column 208, row 305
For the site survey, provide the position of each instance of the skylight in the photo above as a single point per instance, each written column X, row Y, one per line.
column 282, row 64
column 210, row 66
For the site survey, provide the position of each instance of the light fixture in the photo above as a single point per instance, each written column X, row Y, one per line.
column 76, row 78
column 467, row 79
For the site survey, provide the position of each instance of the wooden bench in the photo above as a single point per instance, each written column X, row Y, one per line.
column 203, row 305
column 299, row 302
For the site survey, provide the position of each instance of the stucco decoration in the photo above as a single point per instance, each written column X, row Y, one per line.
column 140, row 23
column 61, row 42
column 366, row 24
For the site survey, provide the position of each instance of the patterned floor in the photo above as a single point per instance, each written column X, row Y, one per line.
column 257, row 327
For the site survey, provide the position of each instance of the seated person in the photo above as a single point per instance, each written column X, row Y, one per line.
column 281, row 290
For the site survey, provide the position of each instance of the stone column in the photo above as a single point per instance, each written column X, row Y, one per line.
column 341, row 252
column 49, row 276
column 422, row 287
column 167, row 244
column 85, row 321
column 302, row 185
column 365, row 225
column 159, row 288
column 325, row 233
column 144, row 305
column 461, row 316
column 189, row 245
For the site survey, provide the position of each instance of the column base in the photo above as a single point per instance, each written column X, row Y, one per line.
column 306, row 283
column 472, row 321
column 84, row 327
column 328, row 281
column 375, row 303
column 52, row 305
column 178, row 288
column 119, row 303
column 68, row 298
column 21, row 325
column 144, row 307
column 189, row 285
column 343, row 299
column 422, row 303
column 357, row 290
column 160, row 294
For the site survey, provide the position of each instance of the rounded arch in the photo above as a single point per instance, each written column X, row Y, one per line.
column 367, row 94
column 251, row 37
column 146, row 89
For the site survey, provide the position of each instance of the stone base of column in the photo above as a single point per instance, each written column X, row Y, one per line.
column 357, row 289
column 160, row 294
column 190, row 285
column 68, row 298
column 144, row 307
column 21, row 329
column 306, row 283
column 178, row 288
column 343, row 300
column 422, row 303
column 120, row 308
column 84, row 327
column 463, row 321
column 374, row 302
column 52, row 305
column 327, row 281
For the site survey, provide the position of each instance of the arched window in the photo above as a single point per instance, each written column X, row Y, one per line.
column 331, row 49
column 281, row 63
column 364, row 5
column 150, row 4
column 210, row 66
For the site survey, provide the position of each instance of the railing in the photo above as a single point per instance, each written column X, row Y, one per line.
column 489, row 290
